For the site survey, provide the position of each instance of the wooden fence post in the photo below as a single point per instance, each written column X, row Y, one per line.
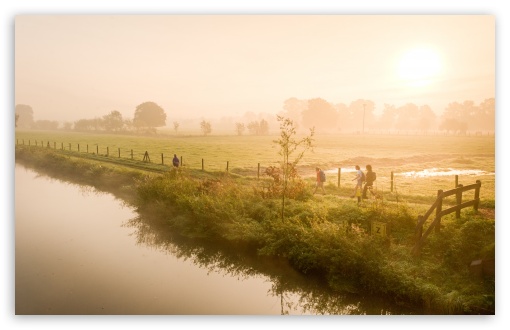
column 97, row 149
column 131, row 153
column 456, row 181
column 119, row 152
column 439, row 208
column 227, row 165
column 339, row 175
column 78, row 147
column 87, row 148
column 459, row 201
column 162, row 160
column 181, row 162
column 477, row 195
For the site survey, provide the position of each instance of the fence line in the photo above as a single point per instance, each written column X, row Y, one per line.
column 145, row 157
column 438, row 207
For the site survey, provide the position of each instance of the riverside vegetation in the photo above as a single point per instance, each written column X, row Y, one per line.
column 326, row 236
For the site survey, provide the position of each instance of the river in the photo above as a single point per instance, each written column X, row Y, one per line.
column 79, row 251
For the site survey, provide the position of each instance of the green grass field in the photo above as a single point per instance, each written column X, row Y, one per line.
column 312, row 235
column 421, row 165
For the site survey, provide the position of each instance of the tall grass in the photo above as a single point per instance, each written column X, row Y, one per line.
column 327, row 236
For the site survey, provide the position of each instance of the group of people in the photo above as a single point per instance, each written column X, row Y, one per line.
column 359, row 190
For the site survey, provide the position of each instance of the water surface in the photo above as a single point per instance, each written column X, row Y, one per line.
column 79, row 251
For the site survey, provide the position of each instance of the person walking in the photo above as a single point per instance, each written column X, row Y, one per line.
column 369, row 183
column 321, row 178
column 175, row 161
column 359, row 183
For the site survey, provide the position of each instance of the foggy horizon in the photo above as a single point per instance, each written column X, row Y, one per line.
column 71, row 67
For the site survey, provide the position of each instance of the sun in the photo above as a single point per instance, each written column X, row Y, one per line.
column 419, row 66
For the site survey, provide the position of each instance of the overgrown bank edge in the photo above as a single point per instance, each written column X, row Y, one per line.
column 324, row 236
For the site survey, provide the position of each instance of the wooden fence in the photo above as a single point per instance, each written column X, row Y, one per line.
column 145, row 157
column 438, row 207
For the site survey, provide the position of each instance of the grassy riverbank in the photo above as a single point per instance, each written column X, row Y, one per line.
column 323, row 235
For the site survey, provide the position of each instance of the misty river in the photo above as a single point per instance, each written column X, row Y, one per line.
column 83, row 252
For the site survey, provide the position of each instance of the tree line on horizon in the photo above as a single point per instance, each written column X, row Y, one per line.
column 358, row 116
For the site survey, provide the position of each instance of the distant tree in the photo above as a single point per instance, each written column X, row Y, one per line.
column 453, row 118
column 176, row 126
column 453, row 125
column 485, row 116
column 113, row 121
column 343, row 116
column 454, row 110
column 240, row 128
column 320, row 114
column 388, row 117
column 83, row 125
column 149, row 115
column 205, row 127
column 470, row 116
column 25, row 116
column 408, row 117
column 469, row 112
column 128, row 124
column 293, row 109
column 263, row 127
column 97, row 124
column 258, row 127
column 254, row 127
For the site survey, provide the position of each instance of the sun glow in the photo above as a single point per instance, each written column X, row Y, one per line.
column 419, row 67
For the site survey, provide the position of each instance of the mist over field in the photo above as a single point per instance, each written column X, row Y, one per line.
column 337, row 73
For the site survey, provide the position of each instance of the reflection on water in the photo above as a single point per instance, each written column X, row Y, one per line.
column 79, row 251
column 443, row 172
column 296, row 294
column 429, row 172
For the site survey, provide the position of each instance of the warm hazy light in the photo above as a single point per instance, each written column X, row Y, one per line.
column 418, row 67
column 70, row 67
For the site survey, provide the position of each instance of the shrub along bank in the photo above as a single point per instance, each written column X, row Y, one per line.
column 323, row 236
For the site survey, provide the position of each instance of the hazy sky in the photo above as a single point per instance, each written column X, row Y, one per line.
column 69, row 67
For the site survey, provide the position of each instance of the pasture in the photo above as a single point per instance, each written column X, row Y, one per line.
column 421, row 164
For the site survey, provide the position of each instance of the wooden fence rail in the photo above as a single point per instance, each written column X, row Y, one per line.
column 145, row 157
column 420, row 236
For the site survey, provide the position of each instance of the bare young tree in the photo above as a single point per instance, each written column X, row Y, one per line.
column 291, row 147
